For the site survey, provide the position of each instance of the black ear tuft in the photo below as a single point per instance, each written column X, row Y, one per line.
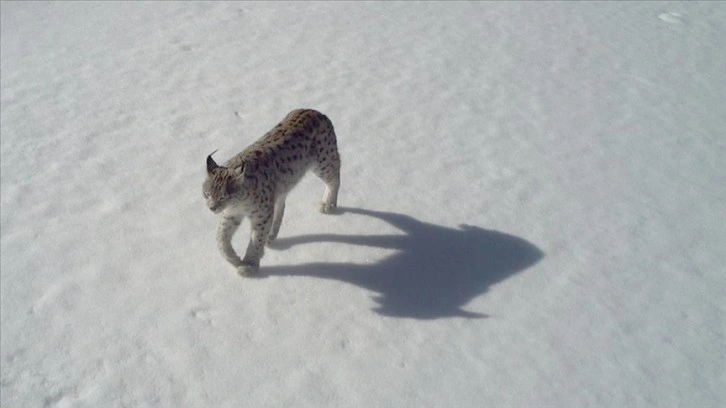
column 211, row 165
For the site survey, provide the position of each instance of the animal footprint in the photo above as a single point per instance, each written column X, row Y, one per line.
column 671, row 18
column 202, row 314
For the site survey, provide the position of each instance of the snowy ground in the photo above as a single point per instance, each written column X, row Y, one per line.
column 533, row 205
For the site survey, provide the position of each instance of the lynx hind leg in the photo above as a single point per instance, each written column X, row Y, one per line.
column 278, row 213
column 330, row 197
column 328, row 169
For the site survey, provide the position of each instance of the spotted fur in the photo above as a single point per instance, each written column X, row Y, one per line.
column 254, row 183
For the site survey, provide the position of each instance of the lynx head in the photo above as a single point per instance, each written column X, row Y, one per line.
column 221, row 185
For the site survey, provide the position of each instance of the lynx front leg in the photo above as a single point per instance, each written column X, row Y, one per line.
column 261, row 225
column 225, row 230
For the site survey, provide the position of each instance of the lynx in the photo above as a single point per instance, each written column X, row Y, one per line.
column 255, row 182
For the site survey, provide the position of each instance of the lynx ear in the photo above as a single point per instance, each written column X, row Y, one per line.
column 211, row 165
column 239, row 170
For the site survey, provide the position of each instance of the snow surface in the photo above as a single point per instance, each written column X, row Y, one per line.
column 533, row 205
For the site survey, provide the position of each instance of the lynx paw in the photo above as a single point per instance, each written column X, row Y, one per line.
column 326, row 208
column 247, row 269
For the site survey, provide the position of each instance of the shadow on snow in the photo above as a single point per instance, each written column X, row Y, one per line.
column 435, row 272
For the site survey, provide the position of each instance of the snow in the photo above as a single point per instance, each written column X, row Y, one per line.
column 533, row 205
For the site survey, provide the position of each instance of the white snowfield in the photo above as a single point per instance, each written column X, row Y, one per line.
column 533, row 205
